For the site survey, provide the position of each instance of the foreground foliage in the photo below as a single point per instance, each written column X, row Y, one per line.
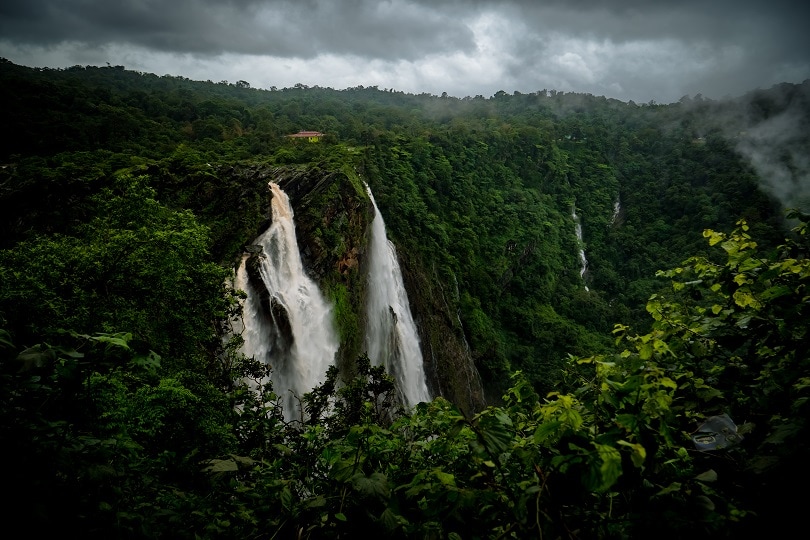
column 104, row 439
column 123, row 414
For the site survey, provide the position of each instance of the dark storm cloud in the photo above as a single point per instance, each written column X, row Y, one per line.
column 630, row 49
column 367, row 28
column 398, row 28
column 710, row 46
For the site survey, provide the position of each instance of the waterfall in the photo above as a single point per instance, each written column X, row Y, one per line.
column 391, row 337
column 617, row 207
column 287, row 322
column 578, row 230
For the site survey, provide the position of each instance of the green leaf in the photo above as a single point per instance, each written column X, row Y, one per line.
column 494, row 430
column 222, row 465
column 611, row 467
column 672, row 488
column 287, row 499
column 5, row 339
column 343, row 470
column 445, row 478
column 628, row 421
column 120, row 339
column 707, row 393
column 317, row 502
column 775, row 292
column 639, row 452
column 783, row 432
column 391, row 520
column 744, row 298
column 69, row 352
column 705, row 502
column 36, row 357
column 714, row 237
column 707, row 476
column 545, row 430
column 375, row 485
column 149, row 361
column 243, row 460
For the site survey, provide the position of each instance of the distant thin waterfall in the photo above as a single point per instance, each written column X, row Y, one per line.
column 617, row 207
column 287, row 322
column 391, row 337
column 578, row 230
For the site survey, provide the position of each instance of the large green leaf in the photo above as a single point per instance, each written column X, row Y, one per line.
column 374, row 486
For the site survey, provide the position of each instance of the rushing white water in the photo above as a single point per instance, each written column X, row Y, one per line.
column 583, row 261
column 391, row 337
column 293, row 329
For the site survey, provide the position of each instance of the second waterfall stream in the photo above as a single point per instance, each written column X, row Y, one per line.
column 391, row 336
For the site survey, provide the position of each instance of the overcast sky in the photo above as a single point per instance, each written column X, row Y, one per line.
column 628, row 49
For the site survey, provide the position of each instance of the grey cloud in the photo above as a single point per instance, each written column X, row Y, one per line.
column 725, row 47
column 410, row 25
column 777, row 149
column 714, row 47
column 280, row 28
column 777, row 24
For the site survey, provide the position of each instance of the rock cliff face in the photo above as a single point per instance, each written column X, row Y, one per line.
column 449, row 365
column 332, row 217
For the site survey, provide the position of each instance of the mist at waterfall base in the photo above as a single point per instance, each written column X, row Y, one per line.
column 391, row 336
column 293, row 331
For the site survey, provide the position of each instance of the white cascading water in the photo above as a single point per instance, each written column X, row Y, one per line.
column 583, row 262
column 617, row 207
column 299, row 366
column 391, row 337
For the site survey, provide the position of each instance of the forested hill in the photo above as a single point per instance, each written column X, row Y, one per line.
column 482, row 190
column 127, row 198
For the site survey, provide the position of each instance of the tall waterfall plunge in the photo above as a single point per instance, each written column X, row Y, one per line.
column 391, row 337
column 288, row 324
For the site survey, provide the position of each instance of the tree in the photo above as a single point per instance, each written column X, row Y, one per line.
column 135, row 266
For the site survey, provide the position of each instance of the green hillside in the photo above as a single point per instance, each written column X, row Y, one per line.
column 566, row 396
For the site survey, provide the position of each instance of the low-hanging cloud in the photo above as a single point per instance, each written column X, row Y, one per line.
column 777, row 149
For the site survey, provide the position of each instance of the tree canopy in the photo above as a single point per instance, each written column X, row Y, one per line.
column 126, row 409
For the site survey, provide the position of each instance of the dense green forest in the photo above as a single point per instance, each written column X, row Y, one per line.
column 126, row 199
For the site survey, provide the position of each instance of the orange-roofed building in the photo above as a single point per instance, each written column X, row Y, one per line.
column 311, row 136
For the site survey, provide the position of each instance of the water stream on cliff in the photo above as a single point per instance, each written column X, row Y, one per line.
column 391, row 337
column 617, row 208
column 287, row 322
column 583, row 262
